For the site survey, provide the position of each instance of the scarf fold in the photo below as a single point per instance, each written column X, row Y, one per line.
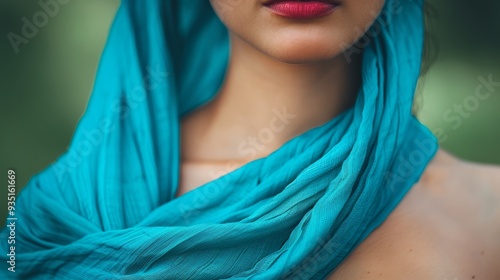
column 106, row 209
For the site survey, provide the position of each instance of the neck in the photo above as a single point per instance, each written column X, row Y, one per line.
column 265, row 102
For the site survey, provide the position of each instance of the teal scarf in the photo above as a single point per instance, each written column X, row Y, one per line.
column 106, row 209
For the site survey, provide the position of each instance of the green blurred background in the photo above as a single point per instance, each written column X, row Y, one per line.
column 44, row 87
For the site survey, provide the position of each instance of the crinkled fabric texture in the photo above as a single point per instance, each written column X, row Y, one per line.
column 106, row 209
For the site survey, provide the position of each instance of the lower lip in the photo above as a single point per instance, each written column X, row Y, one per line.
column 302, row 10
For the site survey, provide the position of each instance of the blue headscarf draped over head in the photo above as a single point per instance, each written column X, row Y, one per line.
column 106, row 209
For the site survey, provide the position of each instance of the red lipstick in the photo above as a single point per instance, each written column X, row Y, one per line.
column 301, row 9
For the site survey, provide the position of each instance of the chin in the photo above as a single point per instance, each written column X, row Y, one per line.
column 302, row 50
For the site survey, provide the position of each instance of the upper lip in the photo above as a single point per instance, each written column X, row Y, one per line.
column 270, row 2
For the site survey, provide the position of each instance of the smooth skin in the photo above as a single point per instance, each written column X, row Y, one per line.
column 290, row 76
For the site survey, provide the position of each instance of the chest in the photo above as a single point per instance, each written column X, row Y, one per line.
column 194, row 175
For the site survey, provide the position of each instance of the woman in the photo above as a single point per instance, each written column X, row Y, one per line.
column 297, row 146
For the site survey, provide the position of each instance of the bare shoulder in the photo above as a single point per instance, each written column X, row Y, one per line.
column 447, row 227
column 480, row 173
